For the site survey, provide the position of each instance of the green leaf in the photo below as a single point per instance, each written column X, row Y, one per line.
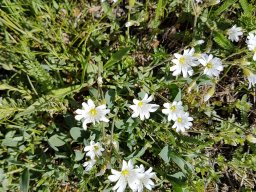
column 66, row 91
column 183, row 165
column 75, row 132
column 11, row 88
column 110, row 97
column 117, row 56
column 79, row 155
column 24, row 181
column 222, row 41
column 164, row 154
column 248, row 8
column 55, row 141
column 50, row 100
column 178, row 96
column 224, row 6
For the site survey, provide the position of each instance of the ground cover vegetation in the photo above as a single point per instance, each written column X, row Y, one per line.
column 135, row 95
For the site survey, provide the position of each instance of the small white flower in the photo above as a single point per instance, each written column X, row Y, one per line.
column 234, row 33
column 91, row 114
column 172, row 109
column 128, row 24
column 183, row 63
column 198, row 1
column 251, row 77
column 142, row 107
column 213, row 2
column 251, row 43
column 199, row 42
column 94, row 150
column 128, row 175
column 182, row 122
column 145, row 178
column 213, row 65
column 89, row 165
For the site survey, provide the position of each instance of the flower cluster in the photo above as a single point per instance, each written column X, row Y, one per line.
column 176, row 113
column 142, row 107
column 91, row 114
column 94, row 151
column 251, row 43
column 136, row 178
column 233, row 34
column 184, row 63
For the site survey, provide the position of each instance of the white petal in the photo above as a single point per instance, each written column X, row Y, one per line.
column 79, row 117
column 91, row 103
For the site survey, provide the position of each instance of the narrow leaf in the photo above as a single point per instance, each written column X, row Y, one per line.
column 24, row 181
column 117, row 56
column 222, row 41
column 224, row 6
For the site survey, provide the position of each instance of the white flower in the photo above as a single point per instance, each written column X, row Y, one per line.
column 91, row 114
column 234, row 33
column 198, row 1
column 89, row 164
column 213, row 65
column 128, row 175
column 251, row 43
column 142, row 107
column 145, row 178
column 94, row 150
column 184, row 62
column 199, row 42
column 251, row 77
column 128, row 24
column 213, row 2
column 172, row 110
column 182, row 122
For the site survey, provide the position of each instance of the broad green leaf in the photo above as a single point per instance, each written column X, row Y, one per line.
column 79, row 155
column 184, row 166
column 9, row 142
column 178, row 96
column 55, row 141
column 24, row 181
column 110, row 98
column 117, row 56
column 164, row 154
column 75, row 132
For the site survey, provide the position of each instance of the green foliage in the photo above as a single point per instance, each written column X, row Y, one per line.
column 55, row 55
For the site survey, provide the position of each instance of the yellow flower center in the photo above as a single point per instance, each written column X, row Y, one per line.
column 140, row 104
column 173, row 108
column 96, row 148
column 93, row 112
column 209, row 65
column 179, row 120
column 125, row 172
column 182, row 60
